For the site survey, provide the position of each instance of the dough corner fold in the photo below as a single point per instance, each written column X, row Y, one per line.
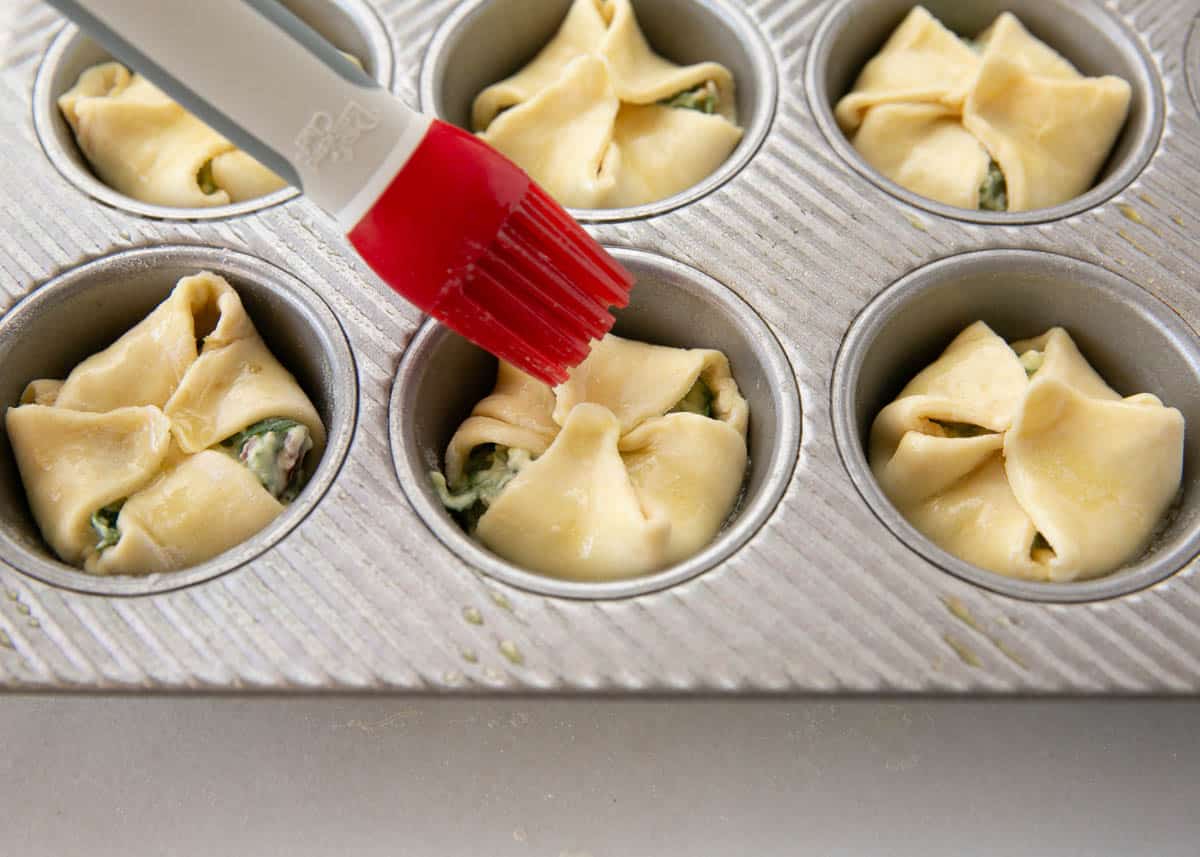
column 195, row 511
column 1096, row 476
column 235, row 380
column 74, row 462
column 595, row 528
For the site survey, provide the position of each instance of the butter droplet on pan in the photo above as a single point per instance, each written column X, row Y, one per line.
column 1131, row 213
column 510, row 651
column 965, row 653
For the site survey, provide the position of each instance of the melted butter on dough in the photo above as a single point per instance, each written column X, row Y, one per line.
column 929, row 112
column 584, row 119
column 1060, row 455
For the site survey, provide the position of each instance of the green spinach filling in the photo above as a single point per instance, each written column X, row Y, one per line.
column 490, row 467
column 104, row 523
column 705, row 98
column 697, row 401
column 274, row 450
column 993, row 193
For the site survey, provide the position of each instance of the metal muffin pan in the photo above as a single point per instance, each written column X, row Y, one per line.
column 351, row 25
column 1191, row 61
column 1090, row 37
column 87, row 308
column 1021, row 294
column 376, row 589
column 673, row 305
column 485, row 41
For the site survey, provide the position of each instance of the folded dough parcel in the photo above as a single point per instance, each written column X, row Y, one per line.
column 180, row 440
column 1021, row 459
column 633, row 464
column 601, row 121
column 1002, row 123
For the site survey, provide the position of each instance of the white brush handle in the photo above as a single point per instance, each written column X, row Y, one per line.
column 268, row 82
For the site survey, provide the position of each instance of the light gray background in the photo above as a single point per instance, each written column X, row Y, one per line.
column 374, row 776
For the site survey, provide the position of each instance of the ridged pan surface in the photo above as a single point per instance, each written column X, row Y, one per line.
column 823, row 597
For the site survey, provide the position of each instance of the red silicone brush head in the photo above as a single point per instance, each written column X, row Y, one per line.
column 464, row 234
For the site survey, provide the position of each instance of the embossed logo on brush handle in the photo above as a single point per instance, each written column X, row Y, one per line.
column 323, row 138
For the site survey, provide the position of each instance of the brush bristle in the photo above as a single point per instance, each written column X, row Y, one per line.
column 464, row 234
column 542, row 292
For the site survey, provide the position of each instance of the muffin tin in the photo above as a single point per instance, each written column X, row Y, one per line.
column 825, row 285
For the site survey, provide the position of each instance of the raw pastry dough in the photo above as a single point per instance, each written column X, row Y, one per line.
column 194, row 511
column 929, row 112
column 586, row 117
column 924, row 148
column 146, row 146
column 140, row 424
column 1053, row 477
column 620, row 484
column 921, row 63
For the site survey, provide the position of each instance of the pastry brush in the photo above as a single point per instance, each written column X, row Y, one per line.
column 442, row 218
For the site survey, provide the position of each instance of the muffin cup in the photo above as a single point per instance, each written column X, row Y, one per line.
column 442, row 377
column 85, row 309
column 1136, row 343
column 350, row 25
column 853, row 31
column 485, row 41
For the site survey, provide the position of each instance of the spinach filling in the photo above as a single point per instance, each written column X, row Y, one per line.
column 274, row 450
column 104, row 523
column 993, row 193
column 704, row 98
column 697, row 401
column 490, row 467
column 204, row 178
